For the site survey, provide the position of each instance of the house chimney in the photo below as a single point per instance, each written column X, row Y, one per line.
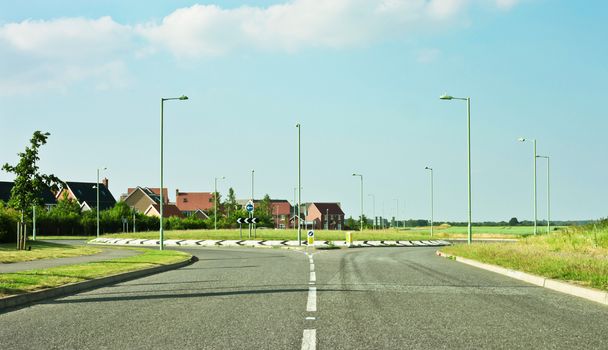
column 176, row 194
column 105, row 182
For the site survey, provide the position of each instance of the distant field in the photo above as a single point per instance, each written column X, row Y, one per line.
column 579, row 255
column 419, row 233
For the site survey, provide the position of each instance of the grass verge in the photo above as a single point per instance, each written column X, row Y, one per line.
column 578, row 255
column 42, row 250
column 422, row 233
column 31, row 280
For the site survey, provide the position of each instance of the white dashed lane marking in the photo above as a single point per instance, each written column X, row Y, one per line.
column 309, row 339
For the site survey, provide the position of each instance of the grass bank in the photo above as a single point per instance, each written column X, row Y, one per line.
column 578, row 255
column 31, row 280
column 42, row 250
column 418, row 233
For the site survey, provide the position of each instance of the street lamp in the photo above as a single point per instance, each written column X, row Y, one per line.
column 432, row 206
column 97, row 188
column 374, row 210
column 299, row 185
column 468, row 99
column 215, row 199
column 361, row 176
column 548, row 193
column 534, row 204
column 162, row 104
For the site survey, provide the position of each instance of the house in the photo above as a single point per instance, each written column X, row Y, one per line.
column 328, row 216
column 5, row 194
column 141, row 198
column 194, row 203
column 281, row 211
column 169, row 210
column 85, row 194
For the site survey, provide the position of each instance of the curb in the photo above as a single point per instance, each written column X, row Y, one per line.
column 595, row 295
column 31, row 297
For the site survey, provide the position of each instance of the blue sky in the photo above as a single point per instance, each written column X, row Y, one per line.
column 362, row 76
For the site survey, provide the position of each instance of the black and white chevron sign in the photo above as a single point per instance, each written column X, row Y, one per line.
column 247, row 220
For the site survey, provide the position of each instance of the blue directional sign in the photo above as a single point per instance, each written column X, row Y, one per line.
column 311, row 233
column 249, row 207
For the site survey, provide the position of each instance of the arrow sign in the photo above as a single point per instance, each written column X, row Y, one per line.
column 247, row 220
column 311, row 233
column 249, row 207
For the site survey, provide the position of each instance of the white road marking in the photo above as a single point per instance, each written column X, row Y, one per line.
column 309, row 339
column 311, row 305
column 313, row 276
column 309, row 318
column 312, row 266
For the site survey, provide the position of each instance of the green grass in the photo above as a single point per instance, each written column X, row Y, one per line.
column 31, row 280
column 57, row 238
column 578, row 255
column 42, row 250
column 418, row 233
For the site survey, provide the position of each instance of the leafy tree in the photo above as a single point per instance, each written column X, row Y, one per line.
column 513, row 222
column 29, row 183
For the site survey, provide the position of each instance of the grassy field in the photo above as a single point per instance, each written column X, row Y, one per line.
column 42, row 250
column 579, row 255
column 418, row 233
column 31, row 280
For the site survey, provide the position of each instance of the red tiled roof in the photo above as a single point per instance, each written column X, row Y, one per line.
column 333, row 208
column 169, row 210
column 191, row 201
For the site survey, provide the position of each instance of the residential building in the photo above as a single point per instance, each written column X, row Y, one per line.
column 281, row 211
column 141, row 198
column 85, row 194
column 169, row 210
column 5, row 194
column 194, row 203
column 327, row 216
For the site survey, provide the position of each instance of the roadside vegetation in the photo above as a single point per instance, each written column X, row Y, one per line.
column 576, row 254
column 42, row 250
column 421, row 233
column 31, row 280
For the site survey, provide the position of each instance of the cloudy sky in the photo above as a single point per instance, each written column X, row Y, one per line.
column 362, row 77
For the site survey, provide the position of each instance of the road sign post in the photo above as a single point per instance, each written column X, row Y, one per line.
column 311, row 237
column 249, row 207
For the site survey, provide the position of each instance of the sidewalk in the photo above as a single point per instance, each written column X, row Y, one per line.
column 106, row 254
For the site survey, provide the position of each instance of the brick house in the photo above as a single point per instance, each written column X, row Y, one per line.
column 194, row 203
column 281, row 211
column 169, row 210
column 327, row 216
column 141, row 198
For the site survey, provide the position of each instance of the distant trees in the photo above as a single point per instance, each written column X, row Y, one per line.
column 513, row 222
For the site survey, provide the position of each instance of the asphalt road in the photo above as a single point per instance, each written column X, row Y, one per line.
column 369, row 298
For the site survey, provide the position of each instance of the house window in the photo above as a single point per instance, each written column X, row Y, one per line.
column 185, row 200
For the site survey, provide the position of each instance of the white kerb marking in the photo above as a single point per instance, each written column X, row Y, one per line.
column 313, row 276
column 309, row 339
column 311, row 305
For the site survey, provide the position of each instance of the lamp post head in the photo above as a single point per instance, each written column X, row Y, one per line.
column 428, row 168
column 183, row 97
column 521, row 139
column 297, row 125
column 446, row 97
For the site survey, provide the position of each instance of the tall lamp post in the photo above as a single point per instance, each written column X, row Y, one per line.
column 97, row 188
column 468, row 100
column 162, row 105
column 361, row 176
column 373, row 210
column 535, row 201
column 548, row 192
column 432, row 206
column 215, row 199
column 299, row 185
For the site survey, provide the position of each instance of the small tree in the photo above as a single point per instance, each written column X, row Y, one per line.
column 513, row 222
column 29, row 183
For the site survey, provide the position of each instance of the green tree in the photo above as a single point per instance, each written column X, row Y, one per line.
column 513, row 222
column 29, row 183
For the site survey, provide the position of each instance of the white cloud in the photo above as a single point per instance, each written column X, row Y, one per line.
column 58, row 53
column 55, row 54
